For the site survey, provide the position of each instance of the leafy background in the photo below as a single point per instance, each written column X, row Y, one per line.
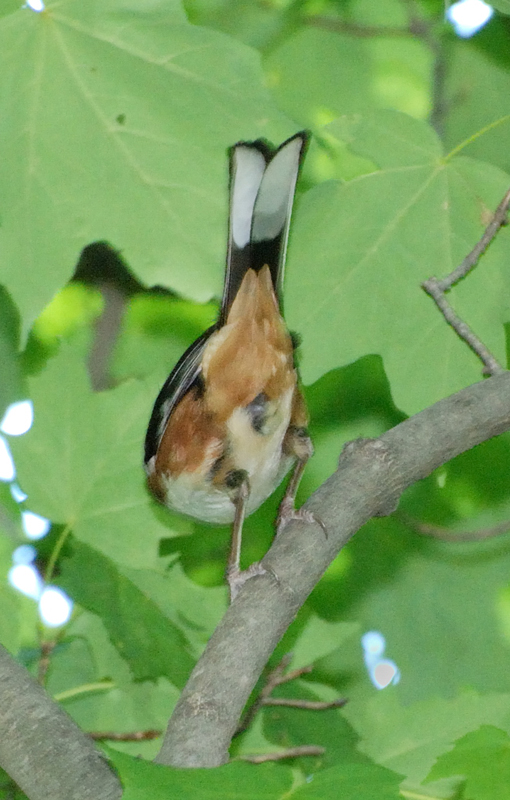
column 115, row 118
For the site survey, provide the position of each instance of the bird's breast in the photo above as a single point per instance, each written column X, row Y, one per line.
column 254, row 444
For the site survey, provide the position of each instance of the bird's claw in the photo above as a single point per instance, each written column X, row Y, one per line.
column 288, row 512
column 236, row 578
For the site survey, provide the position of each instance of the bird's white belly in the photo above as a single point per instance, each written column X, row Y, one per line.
column 259, row 454
column 201, row 501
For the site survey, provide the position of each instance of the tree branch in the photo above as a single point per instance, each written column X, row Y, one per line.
column 361, row 31
column 437, row 289
column 471, row 260
column 448, row 535
column 290, row 752
column 371, row 476
column 277, row 677
column 42, row 749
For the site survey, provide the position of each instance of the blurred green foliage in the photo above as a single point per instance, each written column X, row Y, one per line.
column 115, row 208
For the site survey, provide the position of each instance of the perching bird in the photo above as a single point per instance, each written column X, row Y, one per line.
column 230, row 421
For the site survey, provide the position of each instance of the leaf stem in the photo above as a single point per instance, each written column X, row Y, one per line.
column 456, row 150
column 85, row 688
column 48, row 575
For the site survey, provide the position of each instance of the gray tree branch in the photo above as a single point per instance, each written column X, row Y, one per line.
column 42, row 749
column 48, row 756
column 371, row 476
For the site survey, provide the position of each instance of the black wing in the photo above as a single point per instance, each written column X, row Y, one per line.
column 184, row 375
column 262, row 184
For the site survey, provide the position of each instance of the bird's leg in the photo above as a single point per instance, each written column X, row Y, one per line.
column 239, row 485
column 298, row 444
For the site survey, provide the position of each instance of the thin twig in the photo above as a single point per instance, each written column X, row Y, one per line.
column 274, row 678
column 462, row 329
column 437, row 289
column 471, row 260
column 85, row 688
column 306, row 705
column 354, row 29
column 290, row 752
column 44, row 660
column 277, row 677
column 47, row 646
column 440, row 106
column 135, row 736
column 447, row 535
column 426, row 30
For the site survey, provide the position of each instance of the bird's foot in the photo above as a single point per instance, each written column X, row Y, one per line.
column 236, row 577
column 288, row 512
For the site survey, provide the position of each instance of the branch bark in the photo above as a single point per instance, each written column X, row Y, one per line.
column 48, row 756
column 371, row 476
column 42, row 749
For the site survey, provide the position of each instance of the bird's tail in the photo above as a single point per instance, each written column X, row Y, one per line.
column 262, row 184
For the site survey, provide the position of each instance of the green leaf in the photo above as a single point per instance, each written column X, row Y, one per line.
column 242, row 781
column 319, row 638
column 10, row 625
column 8, row 788
column 360, row 251
column 334, row 77
column 116, row 130
column 390, row 139
column 482, row 757
column 295, row 727
column 157, row 330
column 253, row 741
column 317, row 74
column 194, row 609
column 151, row 643
column 485, row 89
column 96, row 688
column 502, row 5
column 408, row 739
column 81, row 462
column 352, row 782
column 453, row 589
column 349, row 781
column 11, row 384
column 11, row 602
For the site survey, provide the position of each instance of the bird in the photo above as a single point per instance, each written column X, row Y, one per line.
column 231, row 421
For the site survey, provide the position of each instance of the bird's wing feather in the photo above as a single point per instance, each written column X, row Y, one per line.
column 185, row 373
